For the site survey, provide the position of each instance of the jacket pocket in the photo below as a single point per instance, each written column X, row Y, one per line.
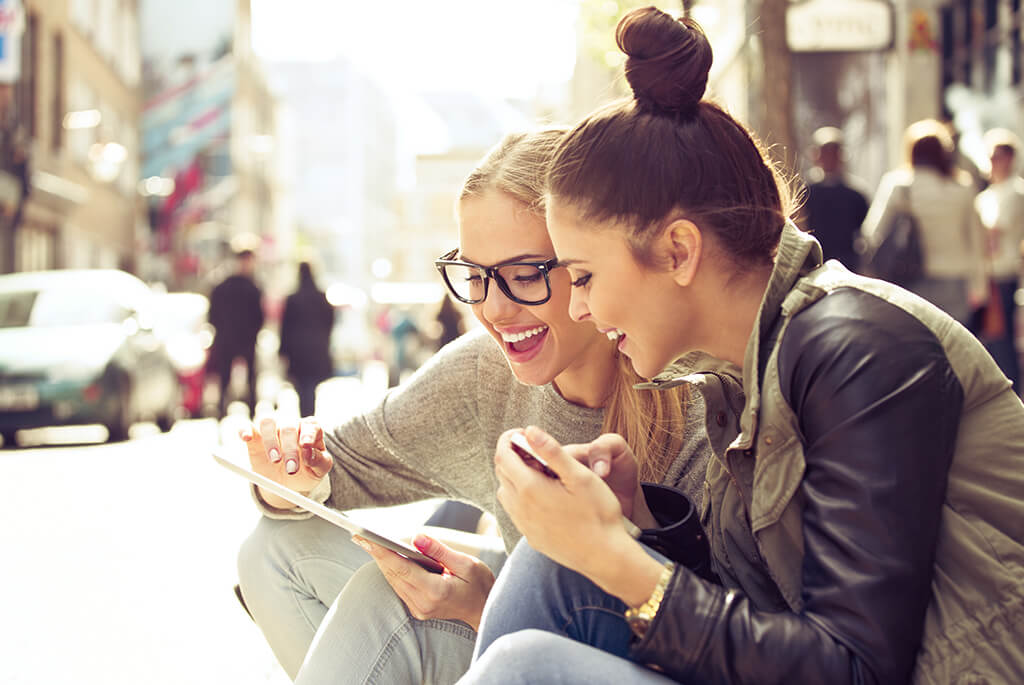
column 778, row 472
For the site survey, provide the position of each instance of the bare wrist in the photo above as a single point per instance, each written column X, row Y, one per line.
column 631, row 574
column 273, row 501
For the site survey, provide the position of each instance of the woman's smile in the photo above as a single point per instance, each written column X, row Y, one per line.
column 523, row 344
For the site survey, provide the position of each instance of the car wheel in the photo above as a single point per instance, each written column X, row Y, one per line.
column 165, row 421
column 9, row 440
column 118, row 428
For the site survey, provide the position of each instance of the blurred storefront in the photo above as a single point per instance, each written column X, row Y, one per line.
column 208, row 128
column 70, row 142
column 869, row 67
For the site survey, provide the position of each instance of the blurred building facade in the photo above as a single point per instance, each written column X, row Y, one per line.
column 872, row 67
column 472, row 125
column 209, row 172
column 70, row 137
column 340, row 158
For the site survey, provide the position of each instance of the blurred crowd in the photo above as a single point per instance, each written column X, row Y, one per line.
column 962, row 229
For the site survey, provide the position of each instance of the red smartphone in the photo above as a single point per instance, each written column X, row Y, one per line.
column 522, row 447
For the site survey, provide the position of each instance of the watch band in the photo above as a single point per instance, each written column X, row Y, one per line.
column 639, row 618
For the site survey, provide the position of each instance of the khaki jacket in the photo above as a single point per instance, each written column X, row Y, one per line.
column 752, row 511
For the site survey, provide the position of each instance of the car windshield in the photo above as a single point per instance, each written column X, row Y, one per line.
column 58, row 307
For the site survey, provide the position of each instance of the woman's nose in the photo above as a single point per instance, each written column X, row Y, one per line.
column 578, row 310
column 497, row 306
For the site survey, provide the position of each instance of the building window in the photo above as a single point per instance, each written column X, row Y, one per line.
column 981, row 46
column 57, row 132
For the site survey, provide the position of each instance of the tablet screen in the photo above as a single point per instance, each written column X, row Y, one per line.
column 332, row 515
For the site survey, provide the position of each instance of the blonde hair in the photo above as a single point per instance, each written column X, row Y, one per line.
column 651, row 421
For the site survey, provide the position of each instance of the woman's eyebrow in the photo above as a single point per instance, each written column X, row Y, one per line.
column 569, row 262
column 517, row 258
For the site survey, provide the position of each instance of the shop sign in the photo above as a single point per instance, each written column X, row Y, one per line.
column 839, row 25
column 12, row 23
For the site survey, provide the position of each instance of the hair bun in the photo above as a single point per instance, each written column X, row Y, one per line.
column 668, row 60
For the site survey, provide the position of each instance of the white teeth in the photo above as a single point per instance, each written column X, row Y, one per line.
column 614, row 334
column 522, row 335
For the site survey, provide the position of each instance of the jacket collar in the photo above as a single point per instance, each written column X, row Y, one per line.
column 797, row 255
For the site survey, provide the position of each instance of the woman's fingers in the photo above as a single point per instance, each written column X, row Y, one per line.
column 410, row 582
column 268, row 433
column 312, row 449
column 557, row 458
column 288, row 435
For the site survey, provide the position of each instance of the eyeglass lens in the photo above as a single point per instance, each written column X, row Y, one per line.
column 525, row 282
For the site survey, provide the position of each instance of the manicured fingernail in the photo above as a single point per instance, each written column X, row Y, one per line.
column 291, row 466
column 362, row 543
column 274, row 455
column 601, row 468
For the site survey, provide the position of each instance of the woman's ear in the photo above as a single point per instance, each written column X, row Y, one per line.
column 683, row 245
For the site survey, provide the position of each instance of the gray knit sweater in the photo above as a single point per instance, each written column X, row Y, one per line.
column 434, row 436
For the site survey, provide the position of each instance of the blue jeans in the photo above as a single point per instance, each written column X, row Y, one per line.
column 547, row 624
column 330, row 617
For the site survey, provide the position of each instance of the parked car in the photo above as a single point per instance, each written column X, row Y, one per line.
column 181, row 323
column 77, row 346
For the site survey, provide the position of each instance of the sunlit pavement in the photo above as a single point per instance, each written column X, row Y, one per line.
column 118, row 561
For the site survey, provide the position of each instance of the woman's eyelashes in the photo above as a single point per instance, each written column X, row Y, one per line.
column 581, row 281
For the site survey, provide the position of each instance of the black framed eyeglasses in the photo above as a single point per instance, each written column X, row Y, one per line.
column 522, row 282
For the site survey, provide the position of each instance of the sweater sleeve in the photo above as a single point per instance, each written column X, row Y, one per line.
column 861, row 375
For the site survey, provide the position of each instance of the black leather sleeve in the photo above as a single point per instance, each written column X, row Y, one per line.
column 679, row 535
column 879, row 407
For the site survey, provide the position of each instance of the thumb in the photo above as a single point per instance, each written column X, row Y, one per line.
column 603, row 452
column 548, row 448
column 599, row 459
column 458, row 563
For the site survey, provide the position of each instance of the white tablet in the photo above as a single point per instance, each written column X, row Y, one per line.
column 328, row 514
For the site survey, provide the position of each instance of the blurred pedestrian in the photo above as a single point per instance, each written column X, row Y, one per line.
column 236, row 314
column 949, row 227
column 834, row 210
column 452, row 325
column 1001, row 207
column 406, row 337
column 306, row 326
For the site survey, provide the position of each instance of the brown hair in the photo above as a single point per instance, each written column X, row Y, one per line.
column 651, row 421
column 668, row 150
column 929, row 145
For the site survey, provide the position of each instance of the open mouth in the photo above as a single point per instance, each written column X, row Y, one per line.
column 615, row 335
column 524, row 341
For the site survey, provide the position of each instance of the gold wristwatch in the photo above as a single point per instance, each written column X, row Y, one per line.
column 639, row 618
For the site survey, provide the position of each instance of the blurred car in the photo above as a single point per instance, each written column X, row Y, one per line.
column 181, row 323
column 77, row 346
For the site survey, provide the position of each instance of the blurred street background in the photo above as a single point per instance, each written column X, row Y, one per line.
column 160, row 148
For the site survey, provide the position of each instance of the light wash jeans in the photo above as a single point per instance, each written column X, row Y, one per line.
column 547, row 624
column 330, row 617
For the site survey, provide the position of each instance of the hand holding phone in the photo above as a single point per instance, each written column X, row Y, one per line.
column 521, row 446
